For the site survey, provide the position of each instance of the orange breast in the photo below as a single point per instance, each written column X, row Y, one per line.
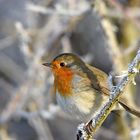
column 63, row 81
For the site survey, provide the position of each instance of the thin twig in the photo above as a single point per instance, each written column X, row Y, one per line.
column 7, row 42
column 58, row 10
column 11, row 69
column 133, row 47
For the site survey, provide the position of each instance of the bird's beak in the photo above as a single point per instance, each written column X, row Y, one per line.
column 47, row 64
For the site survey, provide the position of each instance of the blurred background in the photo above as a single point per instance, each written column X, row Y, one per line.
column 105, row 34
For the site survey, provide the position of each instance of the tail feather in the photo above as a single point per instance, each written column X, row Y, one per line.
column 130, row 109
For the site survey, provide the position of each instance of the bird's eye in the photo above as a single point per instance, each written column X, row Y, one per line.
column 62, row 64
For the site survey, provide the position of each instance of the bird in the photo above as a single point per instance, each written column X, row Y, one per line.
column 80, row 88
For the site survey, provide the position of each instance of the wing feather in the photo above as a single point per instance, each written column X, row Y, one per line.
column 102, row 78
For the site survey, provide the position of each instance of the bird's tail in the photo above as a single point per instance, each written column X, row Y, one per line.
column 129, row 109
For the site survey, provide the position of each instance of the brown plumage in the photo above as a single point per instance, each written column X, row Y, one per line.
column 80, row 88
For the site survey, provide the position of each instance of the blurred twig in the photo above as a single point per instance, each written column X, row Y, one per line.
column 41, row 128
column 133, row 47
column 58, row 10
column 113, row 49
column 7, row 42
column 12, row 70
column 132, row 14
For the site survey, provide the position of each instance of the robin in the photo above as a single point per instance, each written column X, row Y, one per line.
column 80, row 88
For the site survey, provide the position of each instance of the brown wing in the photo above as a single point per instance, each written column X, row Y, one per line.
column 102, row 77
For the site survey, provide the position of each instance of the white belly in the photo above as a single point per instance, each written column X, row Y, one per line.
column 81, row 105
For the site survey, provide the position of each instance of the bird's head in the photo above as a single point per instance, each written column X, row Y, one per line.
column 66, row 63
column 64, row 67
